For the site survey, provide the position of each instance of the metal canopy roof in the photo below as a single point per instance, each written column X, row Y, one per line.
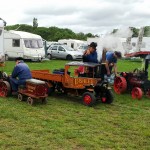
column 80, row 63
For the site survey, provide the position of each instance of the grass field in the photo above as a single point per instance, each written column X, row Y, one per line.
column 65, row 124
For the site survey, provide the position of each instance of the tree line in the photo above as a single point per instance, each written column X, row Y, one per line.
column 54, row 33
column 51, row 33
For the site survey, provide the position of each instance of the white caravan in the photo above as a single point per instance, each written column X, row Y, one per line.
column 2, row 58
column 23, row 44
column 72, row 43
column 145, row 45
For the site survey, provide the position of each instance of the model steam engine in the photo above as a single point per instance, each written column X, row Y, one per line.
column 137, row 82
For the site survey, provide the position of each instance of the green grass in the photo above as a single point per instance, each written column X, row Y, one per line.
column 64, row 123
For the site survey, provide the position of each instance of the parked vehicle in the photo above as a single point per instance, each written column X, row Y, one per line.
column 2, row 58
column 136, row 82
column 73, row 43
column 82, row 48
column 63, row 52
column 23, row 44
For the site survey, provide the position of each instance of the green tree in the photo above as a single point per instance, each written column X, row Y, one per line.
column 135, row 31
column 147, row 31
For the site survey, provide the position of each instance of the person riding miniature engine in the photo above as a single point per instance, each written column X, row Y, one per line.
column 20, row 74
column 111, row 61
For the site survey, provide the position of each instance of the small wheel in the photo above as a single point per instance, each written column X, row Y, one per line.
column 120, row 85
column 44, row 100
column 88, row 99
column 20, row 97
column 136, row 93
column 107, row 97
column 30, row 101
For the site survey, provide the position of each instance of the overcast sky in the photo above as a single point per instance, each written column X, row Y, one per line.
column 87, row 16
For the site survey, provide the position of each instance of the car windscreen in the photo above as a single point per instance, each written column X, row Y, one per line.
column 85, row 47
column 68, row 48
column 33, row 43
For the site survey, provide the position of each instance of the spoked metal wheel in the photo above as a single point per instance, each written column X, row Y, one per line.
column 136, row 93
column 88, row 99
column 5, row 89
column 120, row 85
column 30, row 101
column 20, row 97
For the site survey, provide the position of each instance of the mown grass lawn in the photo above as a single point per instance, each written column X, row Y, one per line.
column 64, row 123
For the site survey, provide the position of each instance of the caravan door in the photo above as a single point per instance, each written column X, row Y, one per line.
column 2, row 41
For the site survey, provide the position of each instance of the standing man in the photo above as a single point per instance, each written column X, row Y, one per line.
column 90, row 55
column 111, row 61
column 20, row 74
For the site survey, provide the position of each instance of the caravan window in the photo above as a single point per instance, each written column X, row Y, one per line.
column 143, row 45
column 27, row 43
column 40, row 43
column 33, row 43
column 133, row 44
column 72, row 45
column 16, row 42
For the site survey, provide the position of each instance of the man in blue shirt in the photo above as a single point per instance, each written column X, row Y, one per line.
column 111, row 61
column 90, row 55
column 20, row 74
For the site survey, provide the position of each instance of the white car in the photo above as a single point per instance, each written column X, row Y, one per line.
column 82, row 48
column 63, row 52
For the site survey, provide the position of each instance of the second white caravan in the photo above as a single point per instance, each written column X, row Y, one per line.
column 23, row 44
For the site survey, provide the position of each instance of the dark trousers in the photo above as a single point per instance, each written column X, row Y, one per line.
column 15, row 83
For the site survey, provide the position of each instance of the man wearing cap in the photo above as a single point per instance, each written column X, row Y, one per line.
column 20, row 74
column 90, row 55
column 111, row 61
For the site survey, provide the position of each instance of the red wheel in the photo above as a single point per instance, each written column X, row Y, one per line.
column 136, row 93
column 88, row 99
column 107, row 97
column 120, row 85
column 5, row 89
